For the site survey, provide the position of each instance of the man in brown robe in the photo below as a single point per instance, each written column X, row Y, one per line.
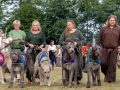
column 109, row 39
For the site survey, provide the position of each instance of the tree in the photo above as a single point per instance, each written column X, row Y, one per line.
column 26, row 14
column 56, row 13
column 1, row 15
column 89, row 15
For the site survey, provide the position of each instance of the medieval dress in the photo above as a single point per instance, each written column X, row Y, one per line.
column 76, row 36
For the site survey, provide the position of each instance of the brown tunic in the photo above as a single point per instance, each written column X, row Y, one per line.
column 109, row 39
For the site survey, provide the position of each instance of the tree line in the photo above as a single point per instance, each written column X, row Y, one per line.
column 89, row 15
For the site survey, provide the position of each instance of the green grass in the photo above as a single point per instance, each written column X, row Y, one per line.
column 57, row 83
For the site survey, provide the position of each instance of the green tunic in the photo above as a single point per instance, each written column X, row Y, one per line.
column 19, row 35
column 36, row 39
column 74, row 37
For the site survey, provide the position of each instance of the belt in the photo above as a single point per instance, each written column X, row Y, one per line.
column 109, row 50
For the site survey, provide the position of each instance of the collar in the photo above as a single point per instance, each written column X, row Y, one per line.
column 73, row 60
column 94, row 61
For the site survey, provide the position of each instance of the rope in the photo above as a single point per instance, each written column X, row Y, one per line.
column 9, row 44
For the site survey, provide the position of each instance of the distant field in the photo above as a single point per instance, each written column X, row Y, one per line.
column 57, row 83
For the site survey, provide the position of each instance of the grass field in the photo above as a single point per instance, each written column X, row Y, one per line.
column 57, row 83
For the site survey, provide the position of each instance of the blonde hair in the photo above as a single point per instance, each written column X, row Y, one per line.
column 39, row 27
column 16, row 21
column 107, row 22
column 67, row 31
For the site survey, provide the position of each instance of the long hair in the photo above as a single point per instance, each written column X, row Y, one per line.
column 39, row 27
column 107, row 22
column 67, row 31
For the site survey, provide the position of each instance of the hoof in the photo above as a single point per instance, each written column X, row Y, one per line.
column 88, row 87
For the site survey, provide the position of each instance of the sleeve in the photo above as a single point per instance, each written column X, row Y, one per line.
column 27, row 39
column 24, row 34
column 55, row 47
column 43, row 39
column 48, row 48
column 62, row 39
column 10, row 35
column 81, row 39
column 119, row 38
column 99, row 40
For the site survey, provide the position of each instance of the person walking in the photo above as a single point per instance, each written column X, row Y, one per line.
column 14, row 35
column 35, row 37
column 72, row 35
column 109, row 39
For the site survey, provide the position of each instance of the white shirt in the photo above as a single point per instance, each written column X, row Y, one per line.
column 51, row 47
